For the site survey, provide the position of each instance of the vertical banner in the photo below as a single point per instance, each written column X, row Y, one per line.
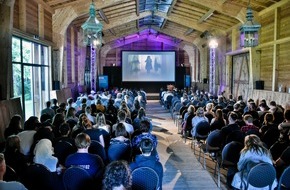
column 93, row 68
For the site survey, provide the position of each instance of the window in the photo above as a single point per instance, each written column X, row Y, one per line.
column 30, row 75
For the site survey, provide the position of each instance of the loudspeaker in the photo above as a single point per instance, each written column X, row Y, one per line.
column 205, row 80
column 260, row 84
column 55, row 85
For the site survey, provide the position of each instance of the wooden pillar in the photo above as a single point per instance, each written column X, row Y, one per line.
column 6, row 21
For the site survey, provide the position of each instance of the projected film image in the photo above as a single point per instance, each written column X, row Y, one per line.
column 148, row 66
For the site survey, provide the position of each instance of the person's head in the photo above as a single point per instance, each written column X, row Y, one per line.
column 117, row 176
column 70, row 101
column 287, row 115
column 84, row 105
column 272, row 104
column 31, row 123
column 200, row 112
column 263, row 106
column 2, row 165
column 248, row 119
column 146, row 146
column 43, row 149
column 64, row 129
column 70, row 112
column 12, row 143
column 141, row 113
column 237, row 106
column 209, row 107
column 219, row 114
column 121, row 115
column 101, row 119
column 120, row 130
column 54, row 101
column 268, row 118
column 82, row 141
column 191, row 109
column 144, row 126
column 48, row 104
column 254, row 143
column 58, row 119
column 15, row 122
column 233, row 117
column 44, row 117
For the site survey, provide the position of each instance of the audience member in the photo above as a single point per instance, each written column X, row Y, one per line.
column 43, row 152
column 197, row 118
column 11, row 185
column 249, row 127
column 14, row 158
column 14, row 126
column 48, row 110
column 253, row 153
column 90, row 162
column 146, row 159
column 117, row 176
column 145, row 134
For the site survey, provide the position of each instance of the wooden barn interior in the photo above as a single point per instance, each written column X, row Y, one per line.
column 42, row 54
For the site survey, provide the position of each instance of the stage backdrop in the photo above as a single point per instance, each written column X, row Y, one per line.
column 115, row 80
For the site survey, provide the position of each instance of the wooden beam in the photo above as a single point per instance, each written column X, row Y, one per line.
column 185, row 22
column 99, row 4
column 137, row 7
column 112, row 32
column 41, row 23
column 171, row 7
column 280, row 41
column 163, row 24
column 206, row 16
column 189, row 31
column 103, row 16
column 22, row 15
column 45, row 6
column 137, row 23
column 124, row 20
column 225, row 8
column 273, row 7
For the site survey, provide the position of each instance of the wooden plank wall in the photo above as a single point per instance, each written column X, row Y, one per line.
column 31, row 19
column 8, row 108
column 114, row 55
column 267, row 43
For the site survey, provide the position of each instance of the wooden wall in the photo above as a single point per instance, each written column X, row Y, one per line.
column 114, row 56
column 27, row 18
column 275, row 48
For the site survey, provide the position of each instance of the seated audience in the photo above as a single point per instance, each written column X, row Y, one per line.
column 92, row 163
column 117, row 176
column 253, row 153
column 11, row 185
column 148, row 160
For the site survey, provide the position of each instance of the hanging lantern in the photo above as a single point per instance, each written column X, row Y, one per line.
column 92, row 29
column 249, row 31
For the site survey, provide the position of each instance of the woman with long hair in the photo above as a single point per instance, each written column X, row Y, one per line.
column 253, row 153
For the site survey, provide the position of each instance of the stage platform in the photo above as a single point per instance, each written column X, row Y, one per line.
column 152, row 96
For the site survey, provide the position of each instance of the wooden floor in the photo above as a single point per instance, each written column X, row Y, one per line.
column 182, row 170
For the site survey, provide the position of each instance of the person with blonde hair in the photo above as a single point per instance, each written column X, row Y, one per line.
column 253, row 153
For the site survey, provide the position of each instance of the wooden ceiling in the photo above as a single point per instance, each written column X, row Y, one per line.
column 185, row 20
